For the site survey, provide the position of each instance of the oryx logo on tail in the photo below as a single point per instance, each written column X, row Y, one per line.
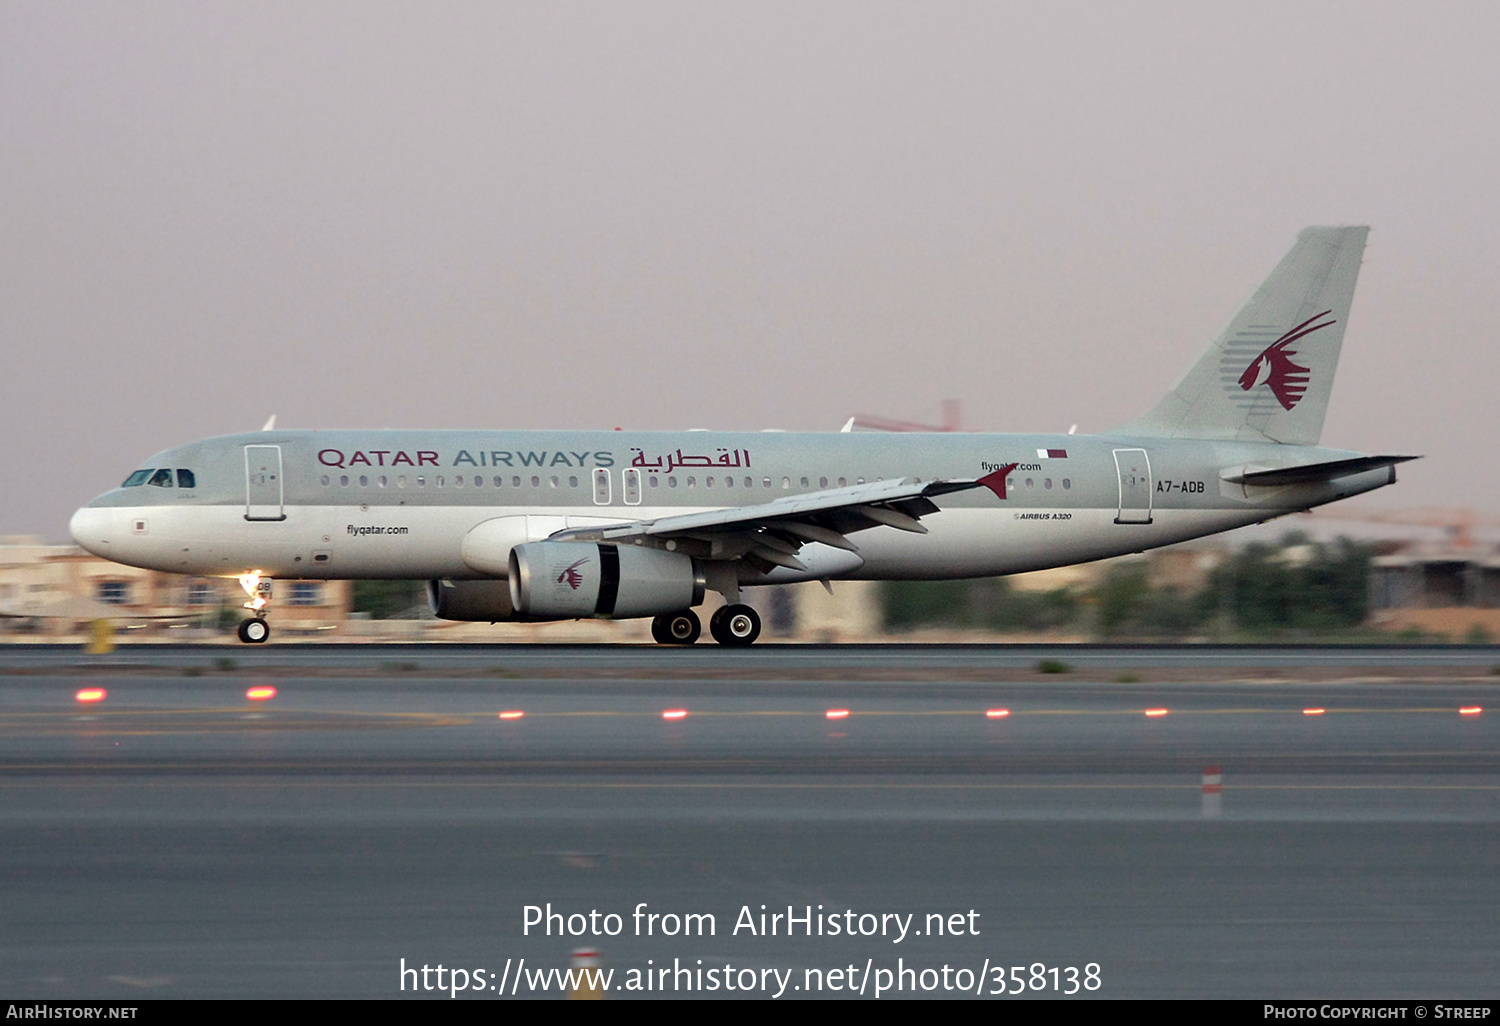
column 1274, row 366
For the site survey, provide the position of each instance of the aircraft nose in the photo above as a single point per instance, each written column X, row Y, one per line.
column 90, row 529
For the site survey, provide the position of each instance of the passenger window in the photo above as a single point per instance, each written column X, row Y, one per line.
column 572, row 481
column 1030, row 483
column 536, row 482
column 842, row 482
column 478, row 481
column 515, row 480
column 138, row 478
column 672, row 481
column 344, row 480
column 401, row 481
column 766, row 481
column 1047, row 483
column 458, row 481
column 162, row 479
column 804, row 482
column 364, row 480
column 185, row 479
column 327, row 480
column 690, row 482
column 499, row 481
column 1067, row 483
column 750, row 482
column 421, row 481
column 554, row 480
column 729, row 482
column 786, row 483
column 822, row 482
column 654, row 482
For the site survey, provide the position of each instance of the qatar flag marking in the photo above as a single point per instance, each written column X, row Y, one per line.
column 1052, row 454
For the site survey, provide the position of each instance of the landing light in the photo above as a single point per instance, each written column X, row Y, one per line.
column 997, row 714
column 512, row 714
column 91, row 695
column 1156, row 712
column 261, row 693
column 673, row 714
column 1470, row 710
column 836, row 714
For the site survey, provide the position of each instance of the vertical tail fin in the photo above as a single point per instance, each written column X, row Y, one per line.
column 1268, row 374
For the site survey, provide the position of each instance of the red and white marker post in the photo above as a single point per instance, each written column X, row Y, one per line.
column 1213, row 792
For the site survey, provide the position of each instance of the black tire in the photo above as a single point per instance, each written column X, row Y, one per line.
column 684, row 628
column 254, row 631
column 735, row 626
column 676, row 628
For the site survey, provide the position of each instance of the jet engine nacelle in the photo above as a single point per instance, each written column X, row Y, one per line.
column 577, row 579
column 482, row 601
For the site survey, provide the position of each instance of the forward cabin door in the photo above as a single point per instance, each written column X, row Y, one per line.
column 264, row 492
column 1134, row 468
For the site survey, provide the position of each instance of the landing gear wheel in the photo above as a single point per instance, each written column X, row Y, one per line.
column 735, row 626
column 676, row 628
column 254, row 630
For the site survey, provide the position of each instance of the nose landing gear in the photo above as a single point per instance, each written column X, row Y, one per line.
column 255, row 630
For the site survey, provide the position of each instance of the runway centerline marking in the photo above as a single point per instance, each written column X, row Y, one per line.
column 733, row 785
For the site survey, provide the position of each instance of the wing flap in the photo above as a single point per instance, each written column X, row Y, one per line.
column 824, row 516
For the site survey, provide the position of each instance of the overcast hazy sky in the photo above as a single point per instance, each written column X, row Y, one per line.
column 723, row 215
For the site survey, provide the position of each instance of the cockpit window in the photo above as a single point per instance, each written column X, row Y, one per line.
column 138, row 478
column 162, row 479
column 185, row 479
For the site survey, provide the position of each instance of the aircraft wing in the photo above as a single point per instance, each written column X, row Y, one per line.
column 771, row 533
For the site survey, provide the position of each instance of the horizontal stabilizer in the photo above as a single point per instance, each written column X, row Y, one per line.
column 1315, row 472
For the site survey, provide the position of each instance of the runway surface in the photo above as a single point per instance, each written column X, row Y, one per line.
column 177, row 838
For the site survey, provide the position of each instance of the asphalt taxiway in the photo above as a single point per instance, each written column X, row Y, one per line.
column 1247, row 833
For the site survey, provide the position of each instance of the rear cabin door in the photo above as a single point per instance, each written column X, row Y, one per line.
column 264, row 491
column 1134, row 468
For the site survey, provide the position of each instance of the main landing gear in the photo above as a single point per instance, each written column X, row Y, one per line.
column 255, row 630
column 733, row 625
column 676, row 628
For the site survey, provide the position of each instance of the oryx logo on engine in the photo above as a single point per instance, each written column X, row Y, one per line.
column 571, row 576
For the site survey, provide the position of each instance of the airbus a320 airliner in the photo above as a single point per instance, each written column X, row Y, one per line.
column 555, row 525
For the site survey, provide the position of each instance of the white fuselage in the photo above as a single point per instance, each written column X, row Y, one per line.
column 334, row 506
